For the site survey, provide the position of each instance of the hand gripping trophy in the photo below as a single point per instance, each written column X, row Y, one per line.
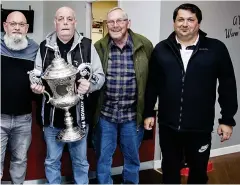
column 61, row 76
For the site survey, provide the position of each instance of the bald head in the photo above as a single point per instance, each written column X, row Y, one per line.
column 65, row 23
column 16, row 16
column 65, row 10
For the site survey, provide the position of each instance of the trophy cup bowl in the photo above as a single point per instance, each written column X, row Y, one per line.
column 61, row 77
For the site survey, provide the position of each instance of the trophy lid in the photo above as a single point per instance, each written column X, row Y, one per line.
column 59, row 68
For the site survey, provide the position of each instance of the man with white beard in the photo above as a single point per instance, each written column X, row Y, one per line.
column 17, row 58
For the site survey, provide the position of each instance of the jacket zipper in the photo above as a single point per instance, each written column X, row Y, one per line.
column 182, row 89
column 183, row 79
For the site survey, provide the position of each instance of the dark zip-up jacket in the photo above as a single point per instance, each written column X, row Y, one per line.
column 186, row 100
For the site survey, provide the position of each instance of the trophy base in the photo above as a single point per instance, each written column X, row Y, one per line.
column 70, row 135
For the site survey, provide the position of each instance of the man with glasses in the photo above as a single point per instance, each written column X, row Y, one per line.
column 18, row 53
column 75, row 49
column 124, row 56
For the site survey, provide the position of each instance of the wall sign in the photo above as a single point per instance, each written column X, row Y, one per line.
column 234, row 31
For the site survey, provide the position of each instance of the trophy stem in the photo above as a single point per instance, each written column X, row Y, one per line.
column 68, row 120
column 70, row 133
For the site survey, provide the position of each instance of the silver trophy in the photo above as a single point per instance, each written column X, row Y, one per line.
column 61, row 76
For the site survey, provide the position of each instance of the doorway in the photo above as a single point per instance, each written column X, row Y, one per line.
column 99, row 18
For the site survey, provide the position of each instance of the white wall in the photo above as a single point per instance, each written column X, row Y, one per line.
column 37, row 6
column 144, row 16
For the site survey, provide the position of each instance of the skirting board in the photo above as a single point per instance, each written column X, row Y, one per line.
column 225, row 150
column 213, row 153
column 144, row 165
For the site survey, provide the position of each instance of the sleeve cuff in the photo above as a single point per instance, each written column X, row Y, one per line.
column 227, row 121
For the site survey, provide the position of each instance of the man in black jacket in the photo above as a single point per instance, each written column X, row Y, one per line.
column 183, row 74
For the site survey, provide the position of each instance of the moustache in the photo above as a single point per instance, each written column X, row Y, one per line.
column 15, row 32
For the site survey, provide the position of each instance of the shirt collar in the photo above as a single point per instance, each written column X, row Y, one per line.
column 128, row 43
column 194, row 44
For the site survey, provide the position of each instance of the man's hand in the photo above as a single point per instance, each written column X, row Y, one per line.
column 38, row 89
column 225, row 132
column 148, row 123
column 84, row 86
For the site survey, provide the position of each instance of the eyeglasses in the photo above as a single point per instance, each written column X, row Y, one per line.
column 14, row 24
column 118, row 21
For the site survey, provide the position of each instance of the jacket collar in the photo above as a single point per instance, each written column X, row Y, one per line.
column 51, row 39
column 200, row 32
column 172, row 38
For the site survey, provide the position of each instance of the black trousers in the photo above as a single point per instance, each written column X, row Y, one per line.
column 194, row 147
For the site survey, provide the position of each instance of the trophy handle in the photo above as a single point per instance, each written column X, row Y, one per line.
column 84, row 70
column 34, row 79
column 90, row 75
column 49, row 97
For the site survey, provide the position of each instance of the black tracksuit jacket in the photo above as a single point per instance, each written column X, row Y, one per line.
column 187, row 98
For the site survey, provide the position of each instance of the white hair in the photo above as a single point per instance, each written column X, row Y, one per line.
column 125, row 15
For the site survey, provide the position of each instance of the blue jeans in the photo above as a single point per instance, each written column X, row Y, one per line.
column 78, row 153
column 106, row 143
column 16, row 131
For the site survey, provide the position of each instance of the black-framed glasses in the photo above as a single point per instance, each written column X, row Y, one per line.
column 118, row 21
column 14, row 24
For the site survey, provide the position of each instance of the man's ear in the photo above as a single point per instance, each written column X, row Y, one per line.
column 55, row 23
column 27, row 26
column 129, row 24
column 75, row 24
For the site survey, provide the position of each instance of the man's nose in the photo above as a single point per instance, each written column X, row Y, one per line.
column 115, row 23
column 65, row 21
column 185, row 23
column 17, row 27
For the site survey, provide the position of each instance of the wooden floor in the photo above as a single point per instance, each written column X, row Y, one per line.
column 226, row 171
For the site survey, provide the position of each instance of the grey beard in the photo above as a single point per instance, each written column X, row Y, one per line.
column 16, row 41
